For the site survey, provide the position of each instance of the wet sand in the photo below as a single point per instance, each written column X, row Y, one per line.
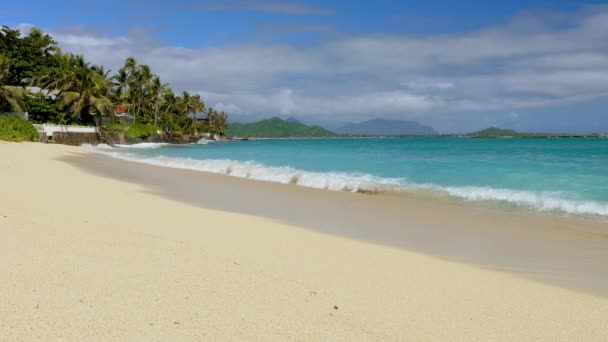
column 99, row 249
column 565, row 251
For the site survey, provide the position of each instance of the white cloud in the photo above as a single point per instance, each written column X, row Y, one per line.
column 24, row 27
column 428, row 85
column 527, row 63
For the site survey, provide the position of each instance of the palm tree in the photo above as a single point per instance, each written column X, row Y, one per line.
column 216, row 122
column 210, row 120
column 197, row 105
column 155, row 92
column 130, row 65
column 81, row 87
column 193, row 104
column 175, row 112
column 121, row 82
column 67, row 62
column 11, row 95
column 100, row 70
column 169, row 103
column 186, row 103
column 139, row 78
column 221, row 123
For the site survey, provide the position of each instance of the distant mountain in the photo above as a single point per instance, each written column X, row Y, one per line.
column 386, row 127
column 277, row 128
column 494, row 132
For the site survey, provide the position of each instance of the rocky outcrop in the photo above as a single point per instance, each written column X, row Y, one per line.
column 131, row 141
column 112, row 138
column 75, row 139
column 182, row 139
column 156, row 138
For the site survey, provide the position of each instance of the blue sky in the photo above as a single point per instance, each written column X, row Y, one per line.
column 457, row 65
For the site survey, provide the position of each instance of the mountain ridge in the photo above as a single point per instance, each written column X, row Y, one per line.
column 276, row 127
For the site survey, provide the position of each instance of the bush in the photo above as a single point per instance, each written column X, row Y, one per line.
column 117, row 127
column 134, row 130
column 44, row 110
column 17, row 129
column 141, row 130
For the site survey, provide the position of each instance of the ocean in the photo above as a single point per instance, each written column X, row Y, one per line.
column 566, row 175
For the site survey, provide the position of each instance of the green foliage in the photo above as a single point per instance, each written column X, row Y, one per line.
column 141, row 130
column 134, row 130
column 33, row 55
column 17, row 129
column 88, row 92
column 84, row 88
column 216, row 122
column 117, row 127
column 42, row 109
column 11, row 97
column 277, row 128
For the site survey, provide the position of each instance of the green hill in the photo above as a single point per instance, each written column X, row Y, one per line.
column 494, row 132
column 277, row 128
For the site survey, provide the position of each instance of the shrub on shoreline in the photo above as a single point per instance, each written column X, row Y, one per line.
column 117, row 127
column 17, row 129
column 133, row 130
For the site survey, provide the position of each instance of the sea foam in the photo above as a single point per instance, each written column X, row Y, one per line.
column 360, row 182
column 144, row 145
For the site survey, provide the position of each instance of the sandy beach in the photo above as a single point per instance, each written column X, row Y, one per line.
column 99, row 249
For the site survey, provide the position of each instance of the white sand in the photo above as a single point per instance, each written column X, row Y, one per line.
column 84, row 257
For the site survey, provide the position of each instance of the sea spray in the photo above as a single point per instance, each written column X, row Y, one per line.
column 358, row 181
column 144, row 145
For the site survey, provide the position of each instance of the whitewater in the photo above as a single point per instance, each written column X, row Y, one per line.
column 569, row 176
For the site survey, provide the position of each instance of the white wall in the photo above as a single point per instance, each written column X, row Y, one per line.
column 50, row 129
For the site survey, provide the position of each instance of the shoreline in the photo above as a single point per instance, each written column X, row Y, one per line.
column 99, row 248
column 518, row 200
column 477, row 233
column 425, row 192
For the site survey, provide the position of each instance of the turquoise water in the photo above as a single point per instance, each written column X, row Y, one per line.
column 567, row 175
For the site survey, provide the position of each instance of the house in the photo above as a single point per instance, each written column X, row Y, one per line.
column 50, row 94
column 121, row 112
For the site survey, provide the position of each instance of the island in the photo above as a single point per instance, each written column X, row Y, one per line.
column 495, row 132
column 277, row 128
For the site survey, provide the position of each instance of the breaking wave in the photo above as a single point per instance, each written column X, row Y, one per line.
column 359, row 182
column 144, row 145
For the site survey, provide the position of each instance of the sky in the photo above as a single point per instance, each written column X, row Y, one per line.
column 458, row 66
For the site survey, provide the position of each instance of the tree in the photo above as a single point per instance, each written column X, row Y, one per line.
column 82, row 88
column 121, row 84
column 32, row 55
column 192, row 104
column 186, row 103
column 11, row 97
column 216, row 122
column 152, row 101
column 170, row 103
column 155, row 92
column 42, row 109
column 171, row 109
column 138, row 81
column 221, row 123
